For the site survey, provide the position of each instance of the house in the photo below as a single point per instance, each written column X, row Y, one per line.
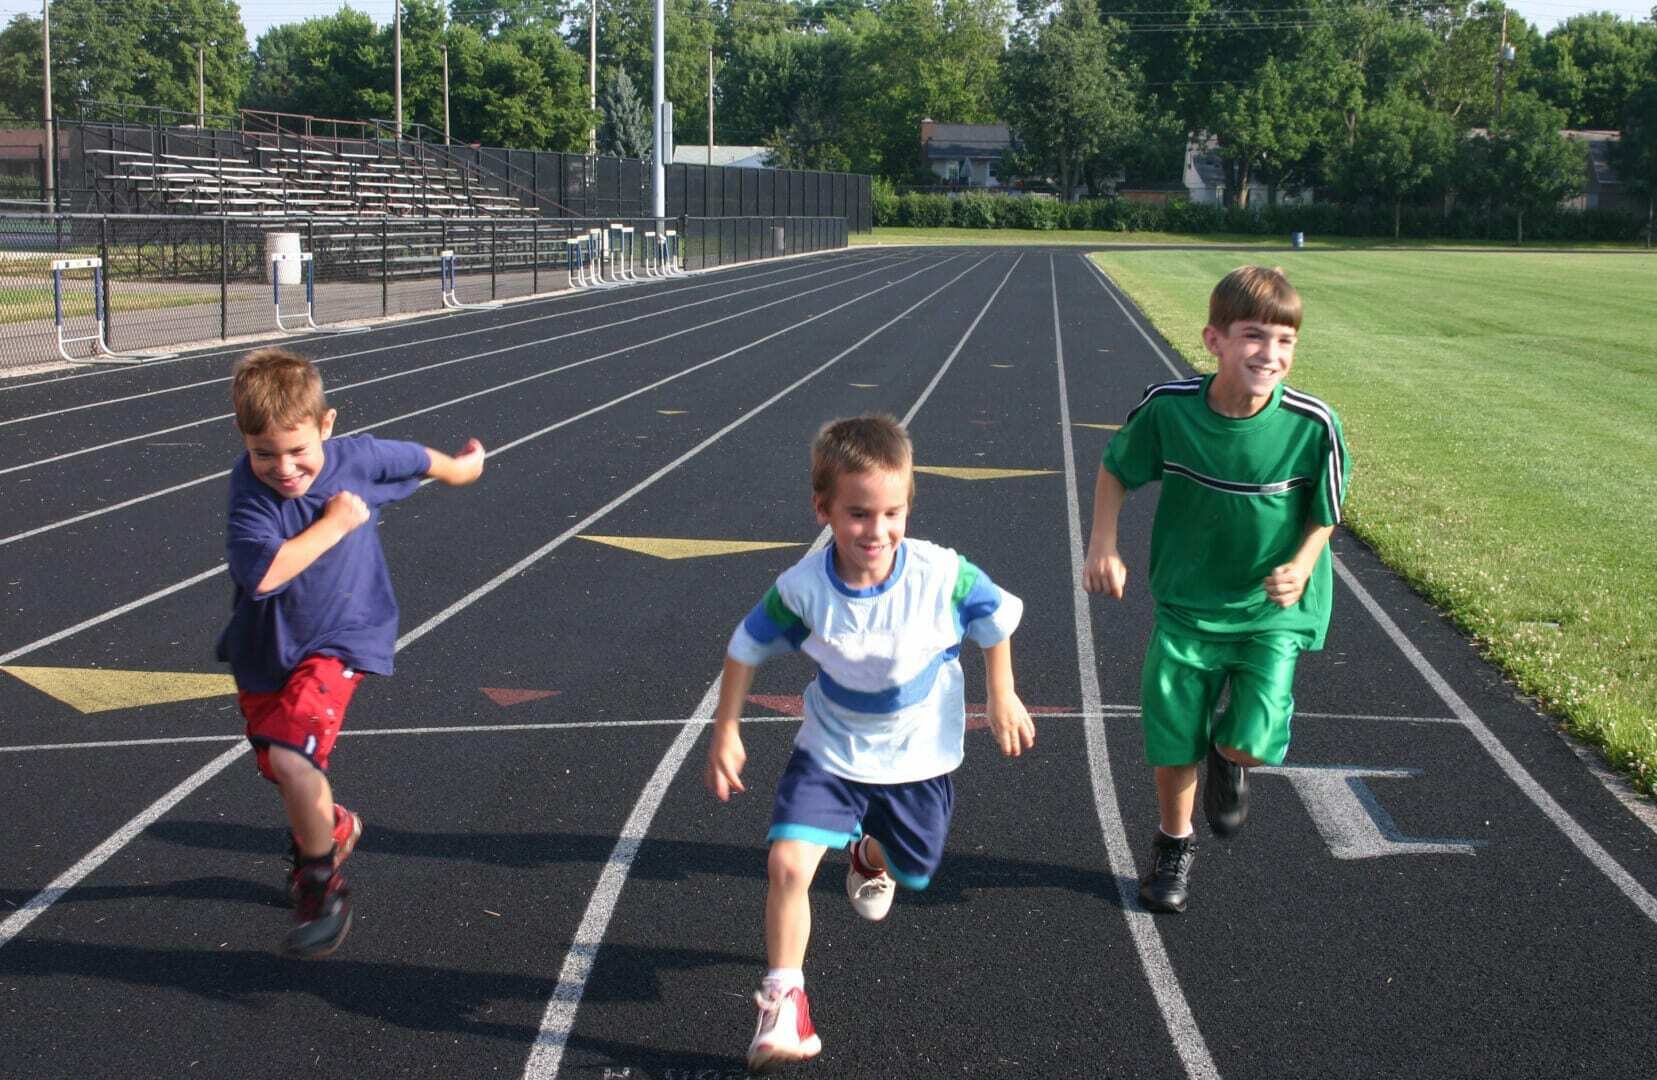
column 740, row 157
column 1205, row 178
column 1603, row 191
column 964, row 155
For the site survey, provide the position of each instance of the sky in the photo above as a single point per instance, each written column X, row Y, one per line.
column 260, row 15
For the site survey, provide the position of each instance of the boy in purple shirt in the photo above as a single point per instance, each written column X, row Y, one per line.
column 313, row 604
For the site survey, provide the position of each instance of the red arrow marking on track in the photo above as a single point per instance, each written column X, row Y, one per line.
column 516, row 697
column 780, row 704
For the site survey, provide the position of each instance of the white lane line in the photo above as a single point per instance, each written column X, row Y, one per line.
column 1153, row 956
column 547, row 1053
column 124, row 504
column 62, row 884
column 1108, row 712
column 1521, row 778
column 404, row 373
column 401, row 324
column 45, row 898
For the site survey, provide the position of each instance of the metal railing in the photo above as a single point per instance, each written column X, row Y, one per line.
column 175, row 280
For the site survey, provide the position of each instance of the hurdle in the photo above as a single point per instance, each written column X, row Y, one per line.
column 309, row 264
column 101, row 352
column 446, row 267
column 628, row 247
column 670, row 248
column 598, row 241
column 652, row 254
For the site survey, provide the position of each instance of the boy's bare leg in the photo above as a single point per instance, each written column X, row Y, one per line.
column 309, row 800
column 1176, row 797
column 791, row 866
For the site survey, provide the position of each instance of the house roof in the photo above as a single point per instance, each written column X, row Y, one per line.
column 966, row 141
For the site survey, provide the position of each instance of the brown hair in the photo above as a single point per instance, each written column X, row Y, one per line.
column 275, row 388
column 1257, row 293
column 859, row 444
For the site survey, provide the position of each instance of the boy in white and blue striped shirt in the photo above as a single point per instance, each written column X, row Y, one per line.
column 883, row 616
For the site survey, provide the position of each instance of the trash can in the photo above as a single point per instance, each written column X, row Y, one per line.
column 777, row 243
column 283, row 243
column 1297, row 239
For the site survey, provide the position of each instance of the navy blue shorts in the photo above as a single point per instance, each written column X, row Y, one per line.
column 911, row 821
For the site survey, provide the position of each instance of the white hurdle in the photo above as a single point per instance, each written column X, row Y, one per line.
column 446, row 267
column 101, row 352
column 652, row 255
column 670, row 249
column 310, row 327
column 599, row 239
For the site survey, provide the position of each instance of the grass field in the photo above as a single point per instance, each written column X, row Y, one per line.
column 1500, row 411
column 1101, row 238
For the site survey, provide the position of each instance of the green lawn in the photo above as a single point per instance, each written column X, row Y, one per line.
column 1087, row 237
column 26, row 303
column 1501, row 410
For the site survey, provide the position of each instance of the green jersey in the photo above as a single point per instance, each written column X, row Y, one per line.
column 1237, row 498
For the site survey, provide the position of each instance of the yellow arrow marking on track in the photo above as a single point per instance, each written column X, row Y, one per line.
column 672, row 547
column 955, row 472
column 671, row 412
column 864, row 385
column 1001, row 365
column 1101, row 427
column 91, row 690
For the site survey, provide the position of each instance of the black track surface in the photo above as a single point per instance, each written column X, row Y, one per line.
column 1530, row 953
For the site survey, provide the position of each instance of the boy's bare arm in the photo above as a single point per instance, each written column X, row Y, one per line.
column 726, row 755
column 1103, row 569
column 462, row 468
column 1009, row 719
column 344, row 512
column 1287, row 583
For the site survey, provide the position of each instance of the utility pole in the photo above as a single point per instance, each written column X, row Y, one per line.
column 397, row 63
column 445, row 95
column 592, row 75
column 1504, row 57
column 201, row 87
column 710, row 104
column 46, row 103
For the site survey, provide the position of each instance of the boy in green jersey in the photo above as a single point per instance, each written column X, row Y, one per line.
column 1253, row 474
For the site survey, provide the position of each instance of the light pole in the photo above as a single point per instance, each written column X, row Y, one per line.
column 46, row 102
column 445, row 95
column 201, row 87
column 592, row 75
column 658, row 170
column 397, row 63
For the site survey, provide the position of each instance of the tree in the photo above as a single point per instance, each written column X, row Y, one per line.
column 1635, row 154
column 1533, row 166
column 1591, row 65
column 1401, row 150
column 626, row 131
column 20, row 86
column 1069, row 98
column 144, row 52
column 335, row 66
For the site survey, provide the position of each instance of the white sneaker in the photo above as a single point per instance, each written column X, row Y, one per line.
column 784, row 1034
column 870, row 891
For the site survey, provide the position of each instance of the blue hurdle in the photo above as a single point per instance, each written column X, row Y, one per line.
column 446, row 267
column 310, row 327
column 101, row 352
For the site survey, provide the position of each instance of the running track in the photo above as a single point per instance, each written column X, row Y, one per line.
column 1435, row 886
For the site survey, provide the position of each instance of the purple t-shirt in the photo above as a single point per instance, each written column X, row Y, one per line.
column 341, row 605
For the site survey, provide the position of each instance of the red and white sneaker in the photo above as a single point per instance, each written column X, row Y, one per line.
column 870, row 890
column 784, row 1034
column 347, row 831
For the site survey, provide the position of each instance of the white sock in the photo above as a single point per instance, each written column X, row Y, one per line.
column 1188, row 832
column 782, row 980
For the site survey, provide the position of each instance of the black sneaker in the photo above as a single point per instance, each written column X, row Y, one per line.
column 1167, row 884
column 322, row 911
column 1225, row 794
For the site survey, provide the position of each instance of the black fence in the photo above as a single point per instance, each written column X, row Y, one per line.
column 548, row 183
column 172, row 279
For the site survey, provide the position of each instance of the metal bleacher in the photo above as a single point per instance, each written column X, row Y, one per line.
column 276, row 165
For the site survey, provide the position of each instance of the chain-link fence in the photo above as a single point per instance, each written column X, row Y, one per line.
column 172, row 280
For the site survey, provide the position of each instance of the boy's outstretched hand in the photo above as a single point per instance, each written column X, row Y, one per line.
column 462, row 468
column 726, row 757
column 1011, row 725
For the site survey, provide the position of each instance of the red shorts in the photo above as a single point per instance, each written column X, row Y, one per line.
column 305, row 715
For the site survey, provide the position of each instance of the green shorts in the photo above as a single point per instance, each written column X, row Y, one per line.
column 1181, row 686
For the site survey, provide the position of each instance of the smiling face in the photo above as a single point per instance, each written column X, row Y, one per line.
column 867, row 514
column 1253, row 358
column 288, row 460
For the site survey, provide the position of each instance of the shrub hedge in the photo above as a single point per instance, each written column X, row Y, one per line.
column 976, row 211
